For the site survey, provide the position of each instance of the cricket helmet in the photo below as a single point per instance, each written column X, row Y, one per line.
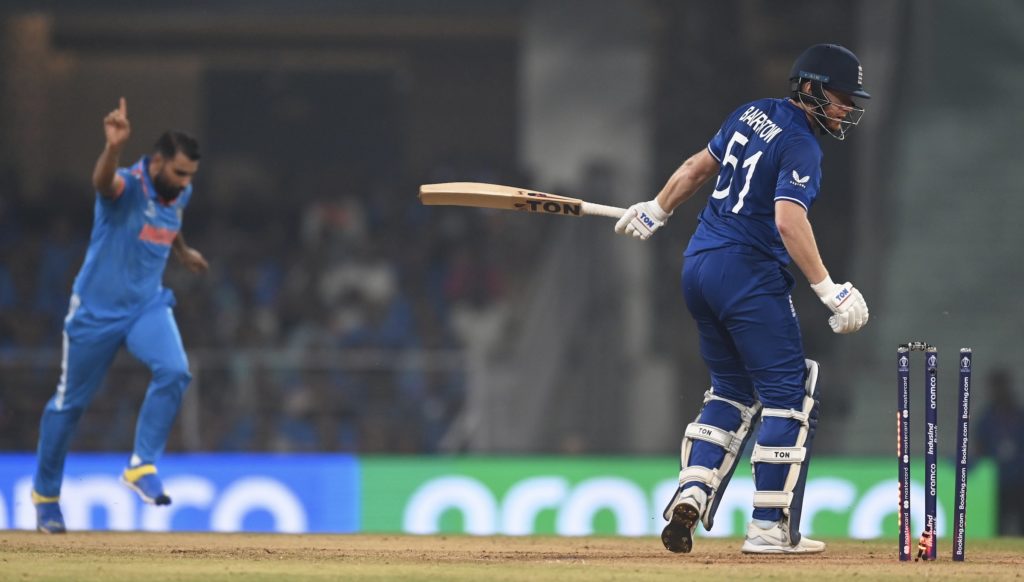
column 832, row 67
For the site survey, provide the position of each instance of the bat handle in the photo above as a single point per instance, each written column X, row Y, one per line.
column 591, row 209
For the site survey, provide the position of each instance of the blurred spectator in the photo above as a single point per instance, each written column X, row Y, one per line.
column 296, row 429
column 473, row 287
column 1001, row 437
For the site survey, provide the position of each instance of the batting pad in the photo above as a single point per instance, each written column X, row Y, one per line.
column 716, row 479
column 790, row 498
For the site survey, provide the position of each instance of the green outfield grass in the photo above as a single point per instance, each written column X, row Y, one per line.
column 151, row 557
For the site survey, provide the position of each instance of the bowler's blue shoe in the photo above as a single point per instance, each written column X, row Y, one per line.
column 49, row 519
column 144, row 481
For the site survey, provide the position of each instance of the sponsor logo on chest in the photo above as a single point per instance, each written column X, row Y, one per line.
column 154, row 233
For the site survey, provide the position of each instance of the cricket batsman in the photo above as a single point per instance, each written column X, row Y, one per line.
column 737, row 288
column 118, row 299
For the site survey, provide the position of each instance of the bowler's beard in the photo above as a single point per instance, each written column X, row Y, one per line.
column 166, row 192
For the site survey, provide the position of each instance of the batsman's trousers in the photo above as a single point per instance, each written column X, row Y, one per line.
column 750, row 340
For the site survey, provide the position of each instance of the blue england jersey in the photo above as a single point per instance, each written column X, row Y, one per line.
column 128, row 249
column 768, row 152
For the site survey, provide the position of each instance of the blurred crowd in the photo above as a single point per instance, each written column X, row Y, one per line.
column 333, row 317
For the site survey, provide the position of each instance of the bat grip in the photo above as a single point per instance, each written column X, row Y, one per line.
column 591, row 209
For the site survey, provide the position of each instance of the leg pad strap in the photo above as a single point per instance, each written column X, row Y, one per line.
column 778, row 455
column 714, row 435
column 773, row 499
column 706, row 476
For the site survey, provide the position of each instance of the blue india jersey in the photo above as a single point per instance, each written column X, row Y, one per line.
column 129, row 245
column 768, row 152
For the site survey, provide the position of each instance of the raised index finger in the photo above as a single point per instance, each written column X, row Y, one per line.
column 123, row 107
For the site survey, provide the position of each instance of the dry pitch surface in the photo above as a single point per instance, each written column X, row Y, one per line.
column 151, row 557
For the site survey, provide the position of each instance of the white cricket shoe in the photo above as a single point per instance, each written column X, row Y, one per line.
column 775, row 540
column 682, row 520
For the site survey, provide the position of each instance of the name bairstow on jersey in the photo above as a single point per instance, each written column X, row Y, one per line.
column 762, row 125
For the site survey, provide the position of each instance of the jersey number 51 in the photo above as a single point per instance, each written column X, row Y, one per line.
column 730, row 160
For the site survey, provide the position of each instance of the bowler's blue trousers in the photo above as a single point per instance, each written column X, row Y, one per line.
column 90, row 344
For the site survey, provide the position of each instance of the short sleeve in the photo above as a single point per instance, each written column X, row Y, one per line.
column 131, row 186
column 716, row 147
column 799, row 171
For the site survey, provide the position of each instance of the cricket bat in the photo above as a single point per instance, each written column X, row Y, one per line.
column 481, row 195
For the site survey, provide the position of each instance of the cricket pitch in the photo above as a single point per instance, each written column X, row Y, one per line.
column 110, row 556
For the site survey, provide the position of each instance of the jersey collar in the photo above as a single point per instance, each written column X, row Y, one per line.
column 149, row 188
column 803, row 114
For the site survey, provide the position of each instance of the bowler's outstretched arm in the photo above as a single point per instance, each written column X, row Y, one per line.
column 117, row 129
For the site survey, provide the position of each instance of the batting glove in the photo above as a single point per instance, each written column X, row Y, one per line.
column 843, row 323
column 642, row 219
column 846, row 303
